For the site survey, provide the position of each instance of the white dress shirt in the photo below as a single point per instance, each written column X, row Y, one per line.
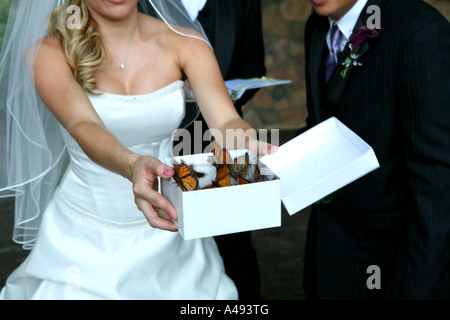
column 193, row 7
column 347, row 23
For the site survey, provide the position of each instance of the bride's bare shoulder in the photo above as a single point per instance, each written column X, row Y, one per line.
column 51, row 46
column 49, row 57
column 158, row 30
column 51, row 42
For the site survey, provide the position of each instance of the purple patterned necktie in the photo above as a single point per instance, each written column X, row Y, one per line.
column 331, row 62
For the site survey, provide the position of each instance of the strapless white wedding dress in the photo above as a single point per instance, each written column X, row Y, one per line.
column 95, row 244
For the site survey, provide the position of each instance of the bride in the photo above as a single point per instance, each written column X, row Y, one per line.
column 112, row 87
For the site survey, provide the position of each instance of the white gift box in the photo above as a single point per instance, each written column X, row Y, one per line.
column 318, row 162
column 302, row 171
column 225, row 210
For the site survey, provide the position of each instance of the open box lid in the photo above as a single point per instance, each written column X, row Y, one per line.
column 318, row 162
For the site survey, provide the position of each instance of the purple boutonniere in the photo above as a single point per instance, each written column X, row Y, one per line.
column 353, row 46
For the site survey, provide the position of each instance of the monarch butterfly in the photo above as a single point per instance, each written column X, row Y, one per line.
column 225, row 179
column 186, row 177
column 232, row 181
column 229, row 172
column 222, row 156
column 238, row 168
column 216, row 150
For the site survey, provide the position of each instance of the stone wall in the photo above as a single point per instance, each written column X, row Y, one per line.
column 284, row 107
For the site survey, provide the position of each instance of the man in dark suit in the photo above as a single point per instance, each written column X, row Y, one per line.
column 234, row 29
column 386, row 235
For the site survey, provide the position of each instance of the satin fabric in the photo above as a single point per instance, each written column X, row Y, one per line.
column 95, row 244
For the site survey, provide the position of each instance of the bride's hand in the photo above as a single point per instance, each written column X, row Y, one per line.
column 261, row 148
column 156, row 208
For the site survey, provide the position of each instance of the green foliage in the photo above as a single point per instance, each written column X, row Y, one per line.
column 4, row 9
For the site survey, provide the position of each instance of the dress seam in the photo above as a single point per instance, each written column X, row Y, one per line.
column 97, row 220
column 155, row 95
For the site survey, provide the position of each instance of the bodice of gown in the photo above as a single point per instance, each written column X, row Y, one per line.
column 144, row 124
column 95, row 244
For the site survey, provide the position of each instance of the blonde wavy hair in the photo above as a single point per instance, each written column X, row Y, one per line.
column 82, row 45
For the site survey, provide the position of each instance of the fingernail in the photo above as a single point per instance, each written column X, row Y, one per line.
column 172, row 215
column 167, row 172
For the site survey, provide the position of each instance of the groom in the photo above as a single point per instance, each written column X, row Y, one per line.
column 387, row 235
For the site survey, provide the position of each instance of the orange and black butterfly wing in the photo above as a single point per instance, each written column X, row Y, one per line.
column 232, row 181
column 183, row 176
column 216, row 150
column 243, row 181
column 222, row 176
column 222, row 155
column 238, row 169
column 196, row 173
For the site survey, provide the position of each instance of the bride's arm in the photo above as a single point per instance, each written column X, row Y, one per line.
column 66, row 99
column 199, row 63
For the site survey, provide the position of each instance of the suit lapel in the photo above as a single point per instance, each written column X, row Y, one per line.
column 225, row 24
column 315, row 59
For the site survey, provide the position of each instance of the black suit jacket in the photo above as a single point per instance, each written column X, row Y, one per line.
column 237, row 40
column 397, row 217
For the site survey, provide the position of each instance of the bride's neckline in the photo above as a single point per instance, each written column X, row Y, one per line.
column 158, row 92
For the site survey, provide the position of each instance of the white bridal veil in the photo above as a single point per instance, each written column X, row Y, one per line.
column 32, row 152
